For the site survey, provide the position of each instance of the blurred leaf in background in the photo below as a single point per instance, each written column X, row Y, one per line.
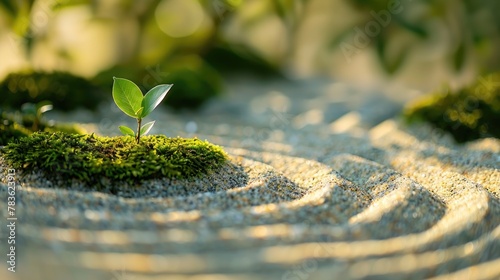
column 17, row 124
column 397, row 28
column 195, row 82
column 184, row 38
column 64, row 90
column 233, row 58
column 197, row 42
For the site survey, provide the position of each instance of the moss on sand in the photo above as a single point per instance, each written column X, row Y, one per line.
column 12, row 129
column 468, row 114
column 89, row 158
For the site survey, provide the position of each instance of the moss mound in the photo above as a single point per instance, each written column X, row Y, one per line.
column 91, row 158
column 468, row 114
column 64, row 90
column 12, row 129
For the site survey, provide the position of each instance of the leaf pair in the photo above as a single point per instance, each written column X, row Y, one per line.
column 143, row 131
column 128, row 97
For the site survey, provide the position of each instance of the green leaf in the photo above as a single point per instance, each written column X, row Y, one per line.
column 147, row 127
column 417, row 29
column 127, row 96
column 153, row 98
column 391, row 61
column 44, row 108
column 126, row 130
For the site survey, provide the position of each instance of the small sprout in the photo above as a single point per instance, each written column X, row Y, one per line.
column 35, row 112
column 128, row 97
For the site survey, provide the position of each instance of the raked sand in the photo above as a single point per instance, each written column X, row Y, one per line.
column 357, row 195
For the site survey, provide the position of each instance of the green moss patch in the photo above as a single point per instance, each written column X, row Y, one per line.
column 10, row 132
column 90, row 158
column 12, row 129
column 468, row 114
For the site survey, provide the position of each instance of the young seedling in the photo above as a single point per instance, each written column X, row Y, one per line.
column 128, row 97
column 34, row 112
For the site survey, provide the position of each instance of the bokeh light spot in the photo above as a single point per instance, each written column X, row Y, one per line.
column 179, row 18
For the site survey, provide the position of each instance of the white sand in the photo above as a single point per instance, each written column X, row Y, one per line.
column 301, row 199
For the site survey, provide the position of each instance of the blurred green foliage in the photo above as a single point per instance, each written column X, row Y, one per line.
column 468, row 114
column 228, row 58
column 193, row 43
column 16, row 125
column 64, row 90
column 190, row 61
column 472, row 30
column 11, row 130
column 195, row 82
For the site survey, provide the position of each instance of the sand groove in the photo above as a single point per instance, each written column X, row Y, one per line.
column 393, row 203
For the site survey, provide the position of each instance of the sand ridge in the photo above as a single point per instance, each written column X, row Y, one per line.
column 385, row 201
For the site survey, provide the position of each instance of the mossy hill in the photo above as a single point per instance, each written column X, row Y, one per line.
column 12, row 129
column 90, row 158
column 467, row 114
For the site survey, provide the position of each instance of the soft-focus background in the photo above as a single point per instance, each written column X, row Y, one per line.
column 305, row 97
column 199, row 44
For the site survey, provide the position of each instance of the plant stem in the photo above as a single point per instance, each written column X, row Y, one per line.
column 36, row 123
column 139, row 120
